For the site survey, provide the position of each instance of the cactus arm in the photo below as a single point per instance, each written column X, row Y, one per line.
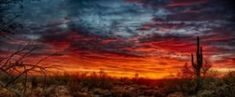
column 192, row 61
column 197, row 65
column 200, row 58
column 201, row 55
column 198, row 49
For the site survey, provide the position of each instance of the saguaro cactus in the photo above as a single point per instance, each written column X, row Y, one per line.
column 197, row 65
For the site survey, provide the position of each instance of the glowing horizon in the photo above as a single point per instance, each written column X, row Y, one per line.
column 124, row 37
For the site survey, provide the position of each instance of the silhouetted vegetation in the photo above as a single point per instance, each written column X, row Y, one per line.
column 102, row 85
column 197, row 65
column 13, row 68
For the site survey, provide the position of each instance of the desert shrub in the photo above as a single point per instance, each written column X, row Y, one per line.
column 229, row 78
column 205, row 93
column 6, row 93
column 82, row 84
column 218, row 87
column 224, row 91
column 81, row 94
column 62, row 79
column 176, row 94
column 211, row 83
column 124, row 81
column 225, row 86
column 121, row 92
column 36, row 92
column 186, row 86
column 59, row 91
column 95, row 80
column 173, row 85
column 102, row 92
column 4, row 78
column 75, row 88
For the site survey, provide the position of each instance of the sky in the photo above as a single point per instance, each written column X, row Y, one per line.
column 153, row 38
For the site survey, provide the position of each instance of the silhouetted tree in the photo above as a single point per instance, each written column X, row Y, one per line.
column 14, row 67
column 206, row 67
column 186, row 71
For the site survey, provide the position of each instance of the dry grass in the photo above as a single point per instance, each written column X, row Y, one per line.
column 101, row 85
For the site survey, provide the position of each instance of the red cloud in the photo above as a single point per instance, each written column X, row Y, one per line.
column 182, row 3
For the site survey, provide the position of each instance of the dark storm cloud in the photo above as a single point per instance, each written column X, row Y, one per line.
column 98, row 45
column 108, row 18
column 191, row 17
column 74, row 25
column 128, row 28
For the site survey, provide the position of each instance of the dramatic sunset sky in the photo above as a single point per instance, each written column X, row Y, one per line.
column 122, row 37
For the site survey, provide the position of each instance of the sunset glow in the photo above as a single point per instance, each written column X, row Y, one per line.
column 152, row 38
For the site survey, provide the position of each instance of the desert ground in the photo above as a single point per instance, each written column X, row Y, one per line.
column 102, row 85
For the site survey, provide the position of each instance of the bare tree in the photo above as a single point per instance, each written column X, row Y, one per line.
column 15, row 67
column 186, row 71
column 206, row 67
